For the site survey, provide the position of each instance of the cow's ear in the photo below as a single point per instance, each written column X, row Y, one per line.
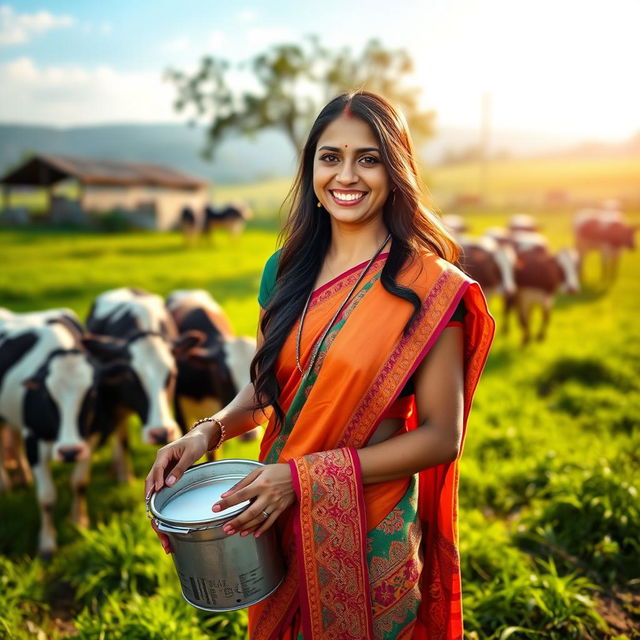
column 186, row 342
column 104, row 348
column 114, row 372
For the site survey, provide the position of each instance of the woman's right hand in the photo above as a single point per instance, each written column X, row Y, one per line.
column 174, row 459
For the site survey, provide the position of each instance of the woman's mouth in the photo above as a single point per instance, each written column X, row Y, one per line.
column 347, row 198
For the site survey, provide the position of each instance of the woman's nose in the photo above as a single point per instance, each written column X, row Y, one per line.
column 346, row 174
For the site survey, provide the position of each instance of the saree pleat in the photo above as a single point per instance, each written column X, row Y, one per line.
column 376, row 561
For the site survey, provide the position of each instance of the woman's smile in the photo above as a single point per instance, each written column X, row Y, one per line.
column 347, row 198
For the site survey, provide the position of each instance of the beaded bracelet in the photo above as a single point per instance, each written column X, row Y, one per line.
column 223, row 431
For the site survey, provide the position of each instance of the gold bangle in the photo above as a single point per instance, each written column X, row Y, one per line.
column 223, row 431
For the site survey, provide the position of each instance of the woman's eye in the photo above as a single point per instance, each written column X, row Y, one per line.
column 329, row 157
column 369, row 160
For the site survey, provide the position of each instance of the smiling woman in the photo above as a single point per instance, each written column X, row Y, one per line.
column 370, row 347
column 349, row 178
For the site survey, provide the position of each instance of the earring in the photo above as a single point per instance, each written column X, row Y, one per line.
column 318, row 205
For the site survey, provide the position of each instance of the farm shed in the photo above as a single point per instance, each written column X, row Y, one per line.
column 150, row 195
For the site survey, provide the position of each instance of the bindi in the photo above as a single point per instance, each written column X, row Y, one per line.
column 346, row 145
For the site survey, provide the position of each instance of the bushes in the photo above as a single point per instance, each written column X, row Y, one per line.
column 593, row 516
column 121, row 555
column 507, row 592
column 131, row 616
column 22, row 596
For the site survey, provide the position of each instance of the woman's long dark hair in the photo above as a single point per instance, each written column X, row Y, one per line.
column 307, row 233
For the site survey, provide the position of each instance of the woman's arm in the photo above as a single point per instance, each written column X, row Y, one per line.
column 439, row 387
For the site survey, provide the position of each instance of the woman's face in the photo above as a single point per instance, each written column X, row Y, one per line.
column 349, row 178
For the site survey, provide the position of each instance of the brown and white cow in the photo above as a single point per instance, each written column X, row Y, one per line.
column 522, row 222
column 491, row 265
column 48, row 396
column 133, row 328
column 539, row 276
column 604, row 231
column 212, row 374
column 455, row 224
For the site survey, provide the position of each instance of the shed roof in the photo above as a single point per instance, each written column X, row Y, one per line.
column 47, row 169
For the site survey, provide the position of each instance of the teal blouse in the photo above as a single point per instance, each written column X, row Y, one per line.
column 268, row 287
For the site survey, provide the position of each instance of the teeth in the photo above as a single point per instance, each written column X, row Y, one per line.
column 348, row 197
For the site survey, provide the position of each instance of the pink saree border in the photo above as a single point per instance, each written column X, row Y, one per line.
column 436, row 334
column 323, row 293
column 448, row 288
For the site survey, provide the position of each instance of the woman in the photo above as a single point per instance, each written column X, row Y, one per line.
column 370, row 346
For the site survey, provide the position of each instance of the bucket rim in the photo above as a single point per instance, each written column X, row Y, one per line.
column 180, row 487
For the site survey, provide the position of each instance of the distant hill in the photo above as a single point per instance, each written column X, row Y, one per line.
column 269, row 155
column 179, row 146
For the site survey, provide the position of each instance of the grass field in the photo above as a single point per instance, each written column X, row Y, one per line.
column 549, row 516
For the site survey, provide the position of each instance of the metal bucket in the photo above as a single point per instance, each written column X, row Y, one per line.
column 218, row 572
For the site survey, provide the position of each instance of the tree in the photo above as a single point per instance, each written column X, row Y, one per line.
column 291, row 82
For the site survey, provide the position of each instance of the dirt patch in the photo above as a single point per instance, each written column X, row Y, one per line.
column 621, row 612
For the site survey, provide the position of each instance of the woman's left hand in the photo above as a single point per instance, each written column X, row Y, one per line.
column 271, row 490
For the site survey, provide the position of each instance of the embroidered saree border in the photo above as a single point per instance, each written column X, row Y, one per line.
column 344, row 280
column 331, row 540
column 404, row 359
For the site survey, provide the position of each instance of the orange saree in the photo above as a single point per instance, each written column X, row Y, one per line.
column 376, row 561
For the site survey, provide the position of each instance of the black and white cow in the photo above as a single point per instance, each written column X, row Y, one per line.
column 49, row 395
column 133, row 327
column 232, row 216
column 11, row 443
column 540, row 275
column 211, row 374
column 604, row 231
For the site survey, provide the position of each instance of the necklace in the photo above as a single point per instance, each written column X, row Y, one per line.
column 318, row 344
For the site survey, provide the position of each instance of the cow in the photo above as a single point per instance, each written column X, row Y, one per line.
column 188, row 224
column 49, row 395
column 212, row 374
column 522, row 222
column 491, row 266
column 12, row 454
column 539, row 276
column 232, row 216
column 455, row 224
column 604, row 231
column 132, row 327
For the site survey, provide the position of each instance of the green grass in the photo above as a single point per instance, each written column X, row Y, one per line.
column 549, row 478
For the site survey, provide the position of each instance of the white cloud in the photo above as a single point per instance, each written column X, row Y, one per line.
column 18, row 28
column 178, row 45
column 247, row 15
column 73, row 95
column 261, row 37
column 216, row 40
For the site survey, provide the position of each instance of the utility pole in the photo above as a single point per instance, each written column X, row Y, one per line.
column 485, row 133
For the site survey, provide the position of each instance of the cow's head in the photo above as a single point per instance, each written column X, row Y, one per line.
column 59, row 402
column 146, row 383
column 622, row 235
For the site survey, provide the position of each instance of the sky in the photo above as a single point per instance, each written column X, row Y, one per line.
column 564, row 67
